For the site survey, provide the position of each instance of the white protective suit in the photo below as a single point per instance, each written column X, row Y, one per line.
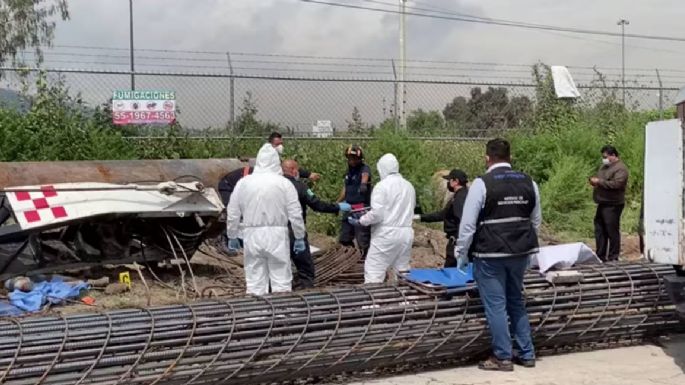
column 392, row 210
column 266, row 201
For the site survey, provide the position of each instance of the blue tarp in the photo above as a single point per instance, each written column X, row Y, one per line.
column 54, row 291
column 7, row 310
column 450, row 277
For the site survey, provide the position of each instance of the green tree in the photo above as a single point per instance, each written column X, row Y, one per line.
column 357, row 125
column 457, row 112
column 489, row 110
column 247, row 122
column 420, row 120
column 58, row 126
column 28, row 24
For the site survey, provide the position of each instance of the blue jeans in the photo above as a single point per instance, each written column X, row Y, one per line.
column 500, row 284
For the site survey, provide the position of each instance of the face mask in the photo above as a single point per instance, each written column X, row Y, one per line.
column 449, row 186
column 279, row 149
column 605, row 161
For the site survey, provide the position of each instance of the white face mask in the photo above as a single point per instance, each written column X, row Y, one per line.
column 605, row 161
column 279, row 149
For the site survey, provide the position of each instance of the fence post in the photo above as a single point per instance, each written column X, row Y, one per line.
column 231, row 97
column 661, row 95
column 396, row 117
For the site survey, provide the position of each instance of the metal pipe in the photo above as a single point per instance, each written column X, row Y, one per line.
column 208, row 171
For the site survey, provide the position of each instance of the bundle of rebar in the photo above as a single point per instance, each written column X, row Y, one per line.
column 330, row 266
column 298, row 335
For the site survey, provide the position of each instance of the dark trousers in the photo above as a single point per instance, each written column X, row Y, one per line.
column 304, row 263
column 349, row 233
column 608, row 231
column 450, row 260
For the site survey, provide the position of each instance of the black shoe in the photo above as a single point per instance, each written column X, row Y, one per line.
column 524, row 363
column 493, row 363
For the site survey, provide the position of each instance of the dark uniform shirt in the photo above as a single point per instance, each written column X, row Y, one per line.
column 450, row 214
column 355, row 193
column 229, row 181
column 308, row 198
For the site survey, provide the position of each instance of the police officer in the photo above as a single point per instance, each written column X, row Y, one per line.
column 356, row 192
column 303, row 261
column 450, row 215
column 498, row 231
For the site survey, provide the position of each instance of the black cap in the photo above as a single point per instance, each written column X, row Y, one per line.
column 458, row 175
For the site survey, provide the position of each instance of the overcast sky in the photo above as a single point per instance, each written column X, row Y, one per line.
column 291, row 26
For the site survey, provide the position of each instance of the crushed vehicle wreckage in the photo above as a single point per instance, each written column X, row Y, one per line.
column 58, row 216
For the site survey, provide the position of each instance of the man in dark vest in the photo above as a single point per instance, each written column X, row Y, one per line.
column 498, row 232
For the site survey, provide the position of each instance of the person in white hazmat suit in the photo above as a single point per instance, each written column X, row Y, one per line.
column 392, row 210
column 266, row 201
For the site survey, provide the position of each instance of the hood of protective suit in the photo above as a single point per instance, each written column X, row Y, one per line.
column 387, row 165
column 268, row 161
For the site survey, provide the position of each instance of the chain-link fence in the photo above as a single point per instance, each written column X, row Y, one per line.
column 295, row 104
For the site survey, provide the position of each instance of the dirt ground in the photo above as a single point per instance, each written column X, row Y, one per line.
column 430, row 243
column 648, row 364
column 428, row 251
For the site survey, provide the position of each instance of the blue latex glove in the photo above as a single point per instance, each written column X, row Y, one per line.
column 462, row 262
column 299, row 246
column 344, row 207
column 233, row 245
column 353, row 221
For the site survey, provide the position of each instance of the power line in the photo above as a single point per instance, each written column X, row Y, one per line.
column 484, row 66
column 313, row 57
column 515, row 24
column 48, row 59
column 314, row 71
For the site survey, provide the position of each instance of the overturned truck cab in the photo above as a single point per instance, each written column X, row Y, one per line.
column 664, row 194
column 70, row 215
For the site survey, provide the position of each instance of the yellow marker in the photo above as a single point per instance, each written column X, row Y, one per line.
column 125, row 278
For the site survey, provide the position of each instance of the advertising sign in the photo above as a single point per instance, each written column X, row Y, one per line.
column 143, row 107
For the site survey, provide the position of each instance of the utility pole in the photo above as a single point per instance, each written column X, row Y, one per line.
column 130, row 22
column 395, row 115
column 623, row 23
column 231, row 95
column 661, row 95
column 403, row 63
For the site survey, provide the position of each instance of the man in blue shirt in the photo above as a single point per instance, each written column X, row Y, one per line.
column 357, row 192
column 498, row 231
